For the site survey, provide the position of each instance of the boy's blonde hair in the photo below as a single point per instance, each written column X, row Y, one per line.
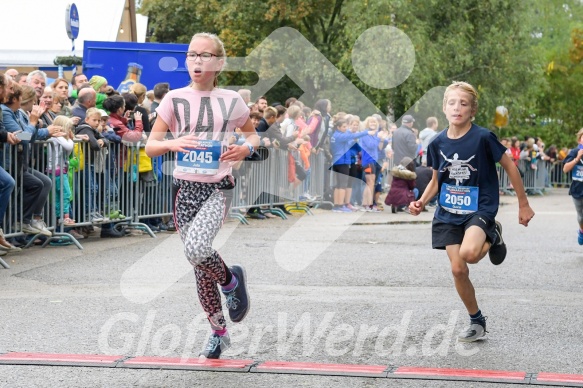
column 465, row 87
column 579, row 134
column 65, row 122
column 270, row 112
column 220, row 47
column 93, row 112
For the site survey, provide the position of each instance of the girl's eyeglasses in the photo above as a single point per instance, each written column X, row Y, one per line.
column 205, row 57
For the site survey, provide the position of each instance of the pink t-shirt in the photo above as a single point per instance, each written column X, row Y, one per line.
column 211, row 115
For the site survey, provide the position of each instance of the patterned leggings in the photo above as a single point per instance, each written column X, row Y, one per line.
column 199, row 212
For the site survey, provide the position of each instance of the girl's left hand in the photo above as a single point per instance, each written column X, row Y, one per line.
column 235, row 153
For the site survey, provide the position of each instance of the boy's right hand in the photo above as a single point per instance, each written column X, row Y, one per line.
column 416, row 207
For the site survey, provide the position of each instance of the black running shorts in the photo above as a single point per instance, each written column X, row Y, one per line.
column 448, row 234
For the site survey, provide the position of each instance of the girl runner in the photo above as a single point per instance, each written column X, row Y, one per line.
column 201, row 119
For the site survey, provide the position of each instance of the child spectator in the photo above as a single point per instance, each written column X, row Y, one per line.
column 93, row 161
column 370, row 153
column 106, row 130
column 58, row 163
column 401, row 192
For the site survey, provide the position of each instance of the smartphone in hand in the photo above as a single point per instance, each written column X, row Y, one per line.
column 23, row 135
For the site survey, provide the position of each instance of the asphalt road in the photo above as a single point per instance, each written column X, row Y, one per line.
column 337, row 288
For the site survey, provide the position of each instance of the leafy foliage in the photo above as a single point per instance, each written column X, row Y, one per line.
column 68, row 61
column 526, row 56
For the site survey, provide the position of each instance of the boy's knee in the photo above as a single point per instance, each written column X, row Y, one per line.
column 470, row 256
column 460, row 271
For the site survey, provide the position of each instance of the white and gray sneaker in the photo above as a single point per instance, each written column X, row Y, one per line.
column 216, row 345
column 472, row 333
column 41, row 226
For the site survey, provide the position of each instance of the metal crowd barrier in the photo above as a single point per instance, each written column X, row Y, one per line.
column 154, row 187
column 104, row 189
column 536, row 180
column 557, row 177
column 118, row 183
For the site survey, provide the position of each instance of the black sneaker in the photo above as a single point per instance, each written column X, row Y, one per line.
column 473, row 332
column 170, row 225
column 497, row 251
column 111, row 233
column 216, row 345
column 238, row 299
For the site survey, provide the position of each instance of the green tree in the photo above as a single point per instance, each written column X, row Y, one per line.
column 558, row 35
column 242, row 25
column 518, row 54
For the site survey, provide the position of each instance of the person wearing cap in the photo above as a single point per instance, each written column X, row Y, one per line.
column 404, row 142
column 107, row 130
column 463, row 158
column 99, row 84
column 103, row 125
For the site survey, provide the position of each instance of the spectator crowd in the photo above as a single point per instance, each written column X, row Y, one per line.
column 83, row 132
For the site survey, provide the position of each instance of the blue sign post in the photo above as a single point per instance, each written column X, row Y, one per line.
column 72, row 24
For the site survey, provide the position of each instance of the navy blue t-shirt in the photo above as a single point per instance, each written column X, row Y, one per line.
column 467, row 178
column 576, row 189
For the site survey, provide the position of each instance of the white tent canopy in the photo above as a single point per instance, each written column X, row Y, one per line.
column 33, row 31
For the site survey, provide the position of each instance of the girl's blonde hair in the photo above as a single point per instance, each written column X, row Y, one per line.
column 65, row 122
column 465, row 87
column 219, row 46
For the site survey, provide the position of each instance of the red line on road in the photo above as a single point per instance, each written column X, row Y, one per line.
column 467, row 373
column 207, row 363
column 559, row 377
column 24, row 358
column 316, row 367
